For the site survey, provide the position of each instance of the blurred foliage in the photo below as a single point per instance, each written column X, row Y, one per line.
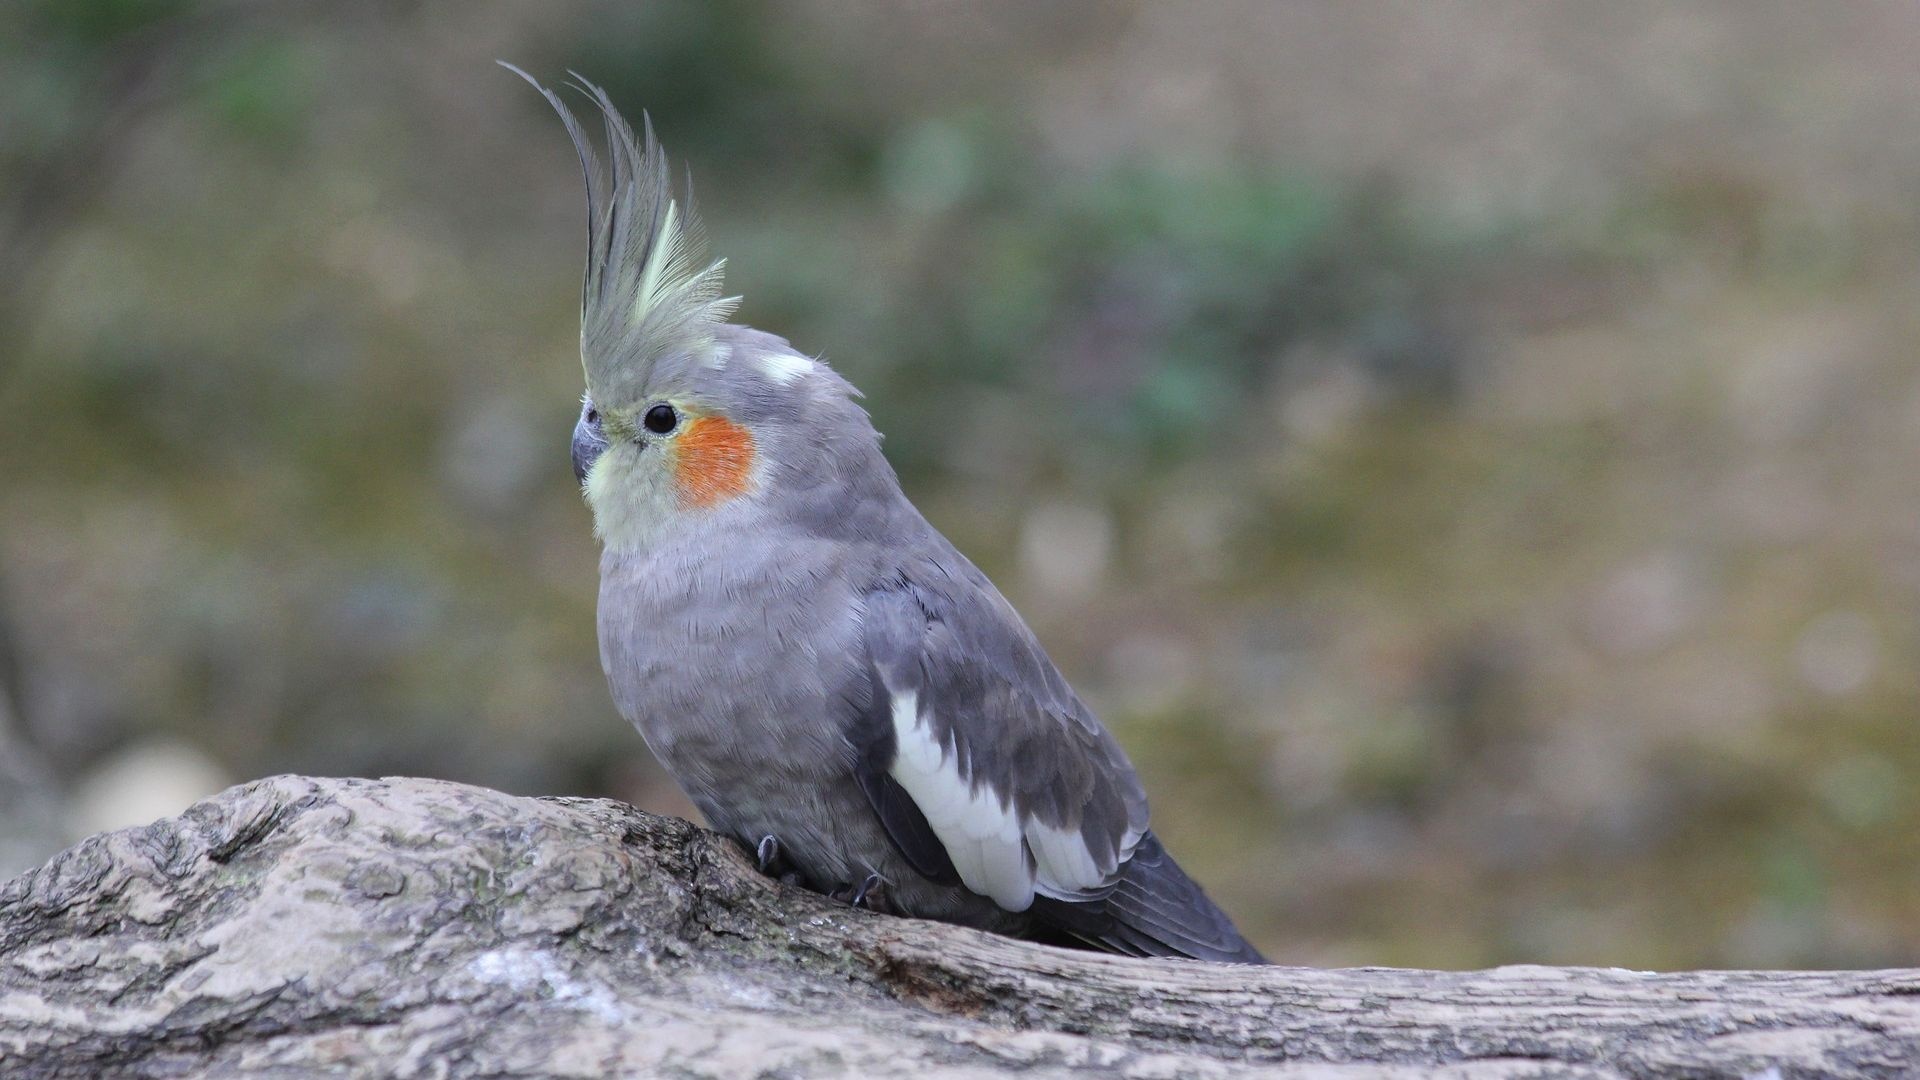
column 79, row 28
column 1481, row 500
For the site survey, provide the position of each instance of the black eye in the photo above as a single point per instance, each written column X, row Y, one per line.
column 660, row 419
column 593, row 416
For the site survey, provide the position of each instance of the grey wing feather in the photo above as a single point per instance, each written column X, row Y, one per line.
column 872, row 735
column 986, row 770
column 1025, row 789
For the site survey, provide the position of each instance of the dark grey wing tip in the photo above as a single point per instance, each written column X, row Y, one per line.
column 1153, row 910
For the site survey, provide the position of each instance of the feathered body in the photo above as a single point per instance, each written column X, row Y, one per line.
column 809, row 658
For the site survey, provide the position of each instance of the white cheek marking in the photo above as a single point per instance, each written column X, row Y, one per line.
column 783, row 368
column 981, row 835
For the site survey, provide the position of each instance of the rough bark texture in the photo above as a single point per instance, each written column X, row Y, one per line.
column 296, row 926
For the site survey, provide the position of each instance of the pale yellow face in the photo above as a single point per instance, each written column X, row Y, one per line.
column 704, row 461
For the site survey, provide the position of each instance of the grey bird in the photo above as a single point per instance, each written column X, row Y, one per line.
column 825, row 675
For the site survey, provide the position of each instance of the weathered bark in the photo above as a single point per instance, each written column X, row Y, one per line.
column 420, row 928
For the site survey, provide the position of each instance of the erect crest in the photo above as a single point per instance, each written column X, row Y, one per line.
column 649, row 294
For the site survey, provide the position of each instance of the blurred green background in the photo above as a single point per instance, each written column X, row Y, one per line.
column 1470, row 452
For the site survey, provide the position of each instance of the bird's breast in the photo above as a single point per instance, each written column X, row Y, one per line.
column 731, row 663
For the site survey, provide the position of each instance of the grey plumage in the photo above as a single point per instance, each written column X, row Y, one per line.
column 649, row 295
column 939, row 629
column 807, row 656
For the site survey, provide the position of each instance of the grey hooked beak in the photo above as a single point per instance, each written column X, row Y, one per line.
column 588, row 441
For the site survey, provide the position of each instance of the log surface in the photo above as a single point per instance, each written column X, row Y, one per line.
column 416, row 928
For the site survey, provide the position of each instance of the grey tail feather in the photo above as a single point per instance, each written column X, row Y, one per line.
column 1155, row 909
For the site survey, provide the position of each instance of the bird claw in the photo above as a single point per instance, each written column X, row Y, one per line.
column 771, row 857
column 768, row 855
column 871, row 894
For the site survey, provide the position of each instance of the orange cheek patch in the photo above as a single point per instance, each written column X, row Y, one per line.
column 713, row 461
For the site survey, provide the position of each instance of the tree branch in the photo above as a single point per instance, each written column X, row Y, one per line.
column 415, row 927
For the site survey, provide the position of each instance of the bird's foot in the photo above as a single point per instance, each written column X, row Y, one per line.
column 771, row 857
column 871, row 894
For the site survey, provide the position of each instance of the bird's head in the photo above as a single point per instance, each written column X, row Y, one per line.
column 684, row 413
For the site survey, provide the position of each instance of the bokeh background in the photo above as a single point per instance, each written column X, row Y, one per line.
column 1469, row 451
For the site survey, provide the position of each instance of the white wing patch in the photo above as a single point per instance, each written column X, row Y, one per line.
column 1062, row 860
column 783, row 368
column 981, row 835
column 995, row 853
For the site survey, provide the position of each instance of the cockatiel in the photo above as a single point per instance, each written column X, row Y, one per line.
column 829, row 680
